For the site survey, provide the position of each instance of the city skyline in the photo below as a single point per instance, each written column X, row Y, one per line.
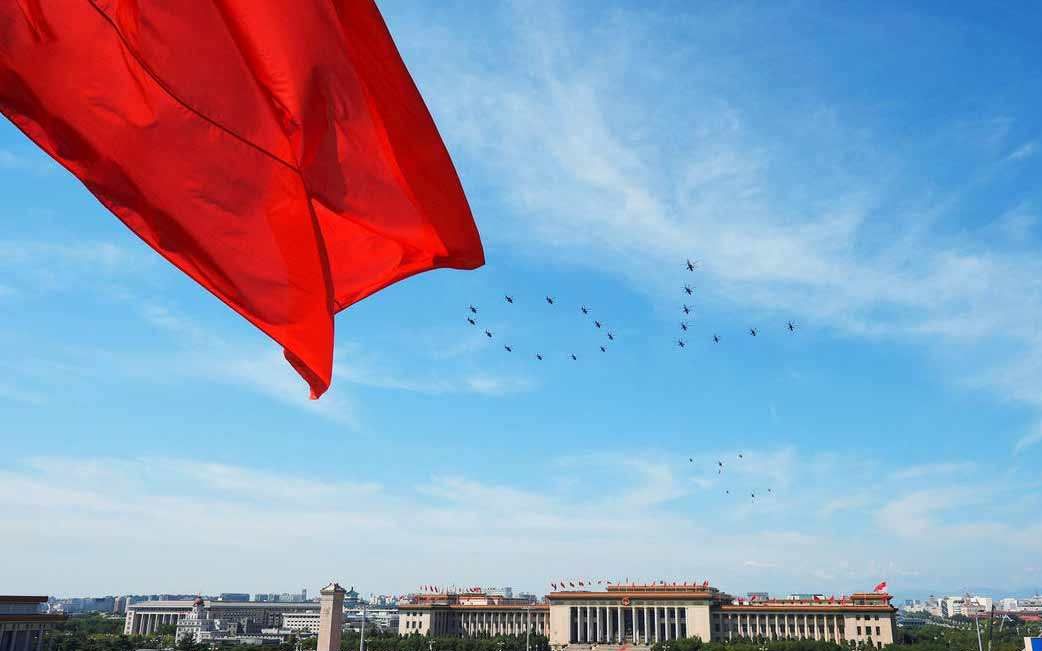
column 869, row 174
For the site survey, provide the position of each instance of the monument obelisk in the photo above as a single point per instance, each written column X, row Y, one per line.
column 331, row 617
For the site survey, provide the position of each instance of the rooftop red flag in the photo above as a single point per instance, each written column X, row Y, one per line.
column 880, row 587
column 276, row 152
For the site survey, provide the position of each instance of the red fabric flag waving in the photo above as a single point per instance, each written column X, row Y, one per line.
column 880, row 587
column 277, row 152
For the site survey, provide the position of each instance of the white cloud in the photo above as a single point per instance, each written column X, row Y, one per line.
column 624, row 515
column 933, row 469
column 1029, row 440
column 635, row 176
column 1026, row 150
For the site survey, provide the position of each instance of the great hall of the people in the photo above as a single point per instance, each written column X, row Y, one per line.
column 642, row 615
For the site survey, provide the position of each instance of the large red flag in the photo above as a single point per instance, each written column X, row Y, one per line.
column 277, row 152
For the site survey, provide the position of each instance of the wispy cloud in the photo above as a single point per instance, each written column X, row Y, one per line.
column 1029, row 440
column 600, row 184
column 933, row 470
column 34, row 162
column 1026, row 150
column 628, row 513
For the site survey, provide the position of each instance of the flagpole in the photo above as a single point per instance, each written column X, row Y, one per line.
column 528, row 628
column 361, row 639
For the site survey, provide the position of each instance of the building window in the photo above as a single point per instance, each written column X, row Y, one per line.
column 859, row 630
column 877, row 630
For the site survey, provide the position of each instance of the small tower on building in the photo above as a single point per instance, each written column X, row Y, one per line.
column 331, row 617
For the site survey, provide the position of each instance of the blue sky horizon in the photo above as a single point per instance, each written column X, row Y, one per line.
column 871, row 174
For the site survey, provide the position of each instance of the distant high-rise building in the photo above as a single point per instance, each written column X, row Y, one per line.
column 234, row 596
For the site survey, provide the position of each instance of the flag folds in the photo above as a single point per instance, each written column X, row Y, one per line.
column 276, row 152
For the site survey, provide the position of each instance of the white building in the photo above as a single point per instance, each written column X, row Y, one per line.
column 301, row 622
column 1009, row 604
column 146, row 617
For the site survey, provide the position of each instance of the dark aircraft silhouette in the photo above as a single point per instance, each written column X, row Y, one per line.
column 509, row 349
column 597, row 323
column 550, row 300
column 716, row 339
column 681, row 343
column 687, row 288
column 585, row 311
column 539, row 356
column 683, row 326
column 473, row 309
column 728, row 491
column 574, row 358
column 769, row 490
column 488, row 334
column 739, row 455
column 791, row 326
column 752, row 331
column 510, row 299
column 753, row 495
column 691, row 265
column 687, row 310
column 611, row 337
column 471, row 321
column 603, row 349
column 691, row 459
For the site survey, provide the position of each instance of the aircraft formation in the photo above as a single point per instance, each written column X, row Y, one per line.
column 598, row 323
column 681, row 343
column 720, row 467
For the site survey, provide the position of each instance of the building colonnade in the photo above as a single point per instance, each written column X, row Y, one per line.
column 149, row 623
column 620, row 624
column 511, row 622
column 788, row 626
column 21, row 637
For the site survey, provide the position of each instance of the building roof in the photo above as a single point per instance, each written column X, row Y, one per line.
column 428, row 606
column 667, row 592
column 213, row 603
column 22, row 599
column 32, row 617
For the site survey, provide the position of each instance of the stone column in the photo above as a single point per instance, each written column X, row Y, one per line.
column 589, row 623
column 621, row 622
column 665, row 623
column 676, row 623
column 655, row 618
column 331, row 617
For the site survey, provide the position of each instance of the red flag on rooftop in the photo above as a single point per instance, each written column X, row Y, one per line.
column 880, row 587
column 278, row 153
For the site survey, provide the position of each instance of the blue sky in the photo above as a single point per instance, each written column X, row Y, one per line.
column 872, row 175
